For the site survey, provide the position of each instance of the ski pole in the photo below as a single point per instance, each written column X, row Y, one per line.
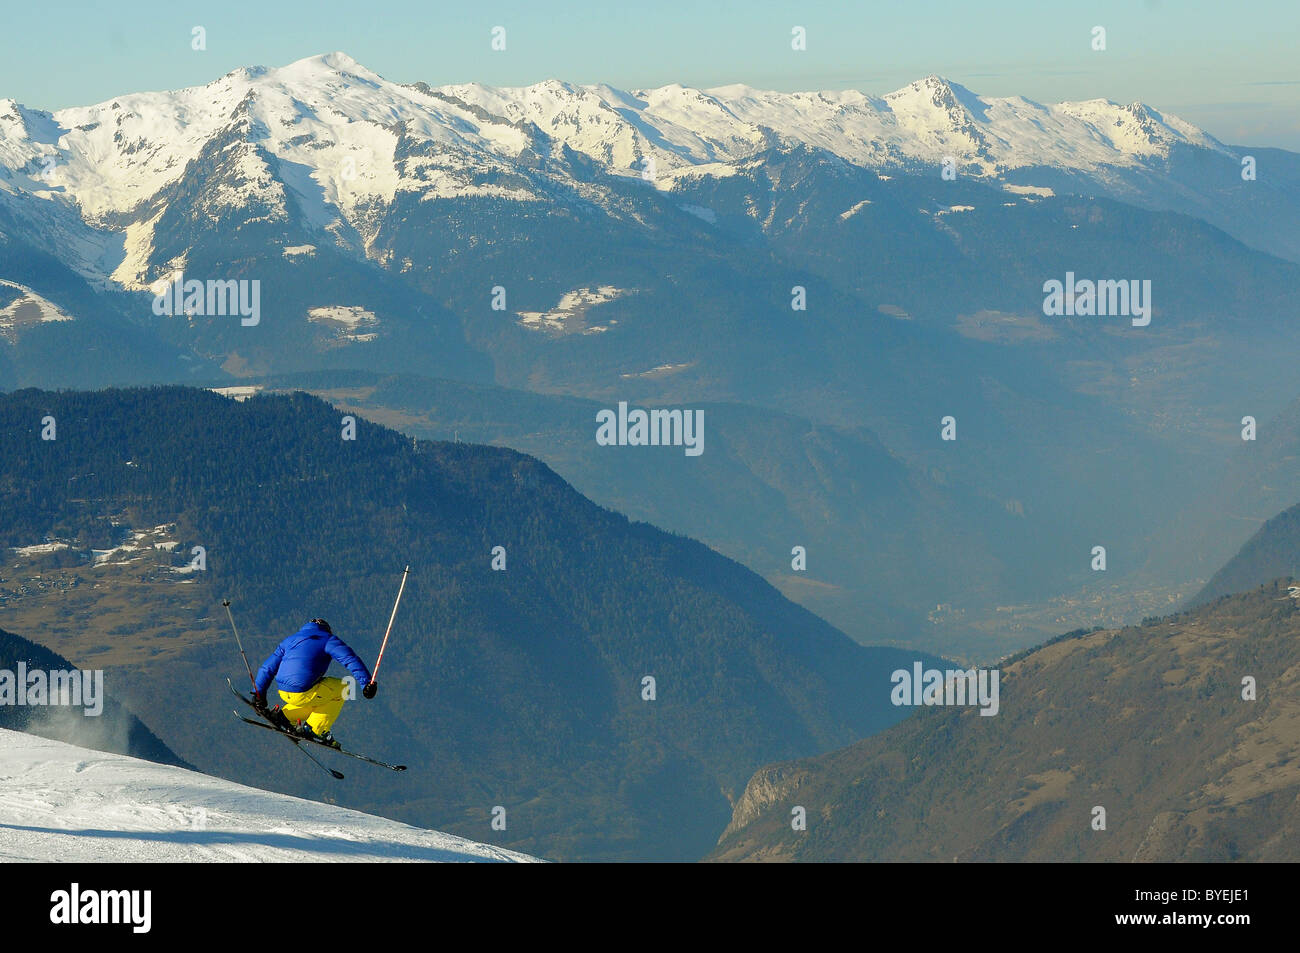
column 247, row 667
column 375, row 674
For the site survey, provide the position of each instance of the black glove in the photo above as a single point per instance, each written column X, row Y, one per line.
column 369, row 690
column 259, row 701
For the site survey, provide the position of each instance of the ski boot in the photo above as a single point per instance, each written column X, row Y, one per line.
column 304, row 730
column 277, row 717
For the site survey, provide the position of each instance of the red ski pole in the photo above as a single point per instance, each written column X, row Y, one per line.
column 375, row 674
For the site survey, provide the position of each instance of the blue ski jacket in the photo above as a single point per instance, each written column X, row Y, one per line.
column 300, row 661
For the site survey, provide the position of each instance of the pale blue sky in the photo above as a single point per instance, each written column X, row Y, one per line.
column 1231, row 68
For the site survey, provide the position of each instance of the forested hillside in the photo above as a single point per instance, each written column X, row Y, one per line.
column 522, row 687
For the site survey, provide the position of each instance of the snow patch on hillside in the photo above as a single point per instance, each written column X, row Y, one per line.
column 137, row 545
column 662, row 370
column 239, row 392
column 569, row 316
column 850, row 212
column 1035, row 191
column 37, row 549
column 349, row 322
column 348, row 315
column 26, row 310
column 133, row 546
column 702, row 213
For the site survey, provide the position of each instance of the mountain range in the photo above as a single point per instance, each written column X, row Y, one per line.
column 342, row 144
column 657, row 246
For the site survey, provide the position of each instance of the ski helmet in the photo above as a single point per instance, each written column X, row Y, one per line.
column 323, row 624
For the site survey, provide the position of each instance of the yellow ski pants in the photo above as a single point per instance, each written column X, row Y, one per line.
column 318, row 705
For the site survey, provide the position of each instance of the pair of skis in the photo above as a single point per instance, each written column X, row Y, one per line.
column 298, row 739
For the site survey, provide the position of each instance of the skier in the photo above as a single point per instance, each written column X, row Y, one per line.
column 311, row 701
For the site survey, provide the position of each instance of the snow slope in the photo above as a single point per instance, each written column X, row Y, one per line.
column 59, row 802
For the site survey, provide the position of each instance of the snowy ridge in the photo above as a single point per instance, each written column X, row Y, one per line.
column 341, row 144
column 331, row 115
column 62, row 803
column 934, row 118
column 320, row 111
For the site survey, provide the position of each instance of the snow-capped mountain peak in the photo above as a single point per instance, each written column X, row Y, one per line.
column 330, row 141
column 337, row 62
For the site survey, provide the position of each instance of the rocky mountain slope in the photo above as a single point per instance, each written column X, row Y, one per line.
column 1184, row 731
